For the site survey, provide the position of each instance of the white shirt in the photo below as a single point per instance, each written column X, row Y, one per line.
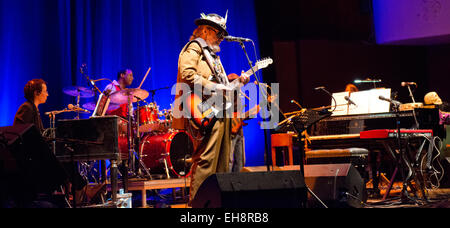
column 112, row 86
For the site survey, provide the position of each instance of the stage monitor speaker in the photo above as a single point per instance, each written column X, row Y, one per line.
column 27, row 164
column 337, row 185
column 252, row 190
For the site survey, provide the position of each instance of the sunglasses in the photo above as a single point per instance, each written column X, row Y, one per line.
column 219, row 34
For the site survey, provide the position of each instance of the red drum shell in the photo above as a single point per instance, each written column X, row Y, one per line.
column 148, row 114
column 122, row 111
column 176, row 147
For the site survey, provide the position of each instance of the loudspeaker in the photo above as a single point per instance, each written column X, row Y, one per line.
column 337, row 185
column 27, row 164
column 252, row 190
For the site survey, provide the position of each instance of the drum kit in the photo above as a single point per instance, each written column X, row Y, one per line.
column 155, row 148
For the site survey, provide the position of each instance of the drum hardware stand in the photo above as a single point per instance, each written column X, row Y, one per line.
column 141, row 165
column 166, row 166
column 78, row 105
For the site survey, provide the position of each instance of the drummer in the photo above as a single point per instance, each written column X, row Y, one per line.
column 124, row 77
column 124, row 80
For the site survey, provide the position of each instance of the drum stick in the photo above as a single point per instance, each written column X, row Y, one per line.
column 148, row 71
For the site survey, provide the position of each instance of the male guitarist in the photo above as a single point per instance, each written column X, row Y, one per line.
column 199, row 65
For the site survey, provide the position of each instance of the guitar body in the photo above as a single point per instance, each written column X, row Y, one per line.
column 238, row 119
column 236, row 123
column 203, row 119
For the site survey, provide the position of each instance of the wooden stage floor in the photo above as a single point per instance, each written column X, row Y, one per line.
column 436, row 198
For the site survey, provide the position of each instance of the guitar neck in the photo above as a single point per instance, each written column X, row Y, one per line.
column 236, row 82
column 250, row 72
column 258, row 66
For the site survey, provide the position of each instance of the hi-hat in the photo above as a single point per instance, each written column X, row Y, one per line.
column 121, row 97
column 91, row 106
column 76, row 91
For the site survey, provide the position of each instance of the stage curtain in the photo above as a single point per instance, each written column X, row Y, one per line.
column 51, row 39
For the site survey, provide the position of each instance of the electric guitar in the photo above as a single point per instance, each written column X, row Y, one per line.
column 238, row 121
column 203, row 114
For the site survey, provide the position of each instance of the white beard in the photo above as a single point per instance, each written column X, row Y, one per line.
column 215, row 48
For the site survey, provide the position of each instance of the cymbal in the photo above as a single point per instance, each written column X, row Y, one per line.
column 76, row 91
column 121, row 97
column 91, row 106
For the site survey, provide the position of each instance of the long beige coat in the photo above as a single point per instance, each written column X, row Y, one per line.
column 211, row 153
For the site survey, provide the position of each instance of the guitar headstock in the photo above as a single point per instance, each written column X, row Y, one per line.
column 263, row 63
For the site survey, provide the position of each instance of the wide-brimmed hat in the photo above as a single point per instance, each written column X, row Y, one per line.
column 214, row 20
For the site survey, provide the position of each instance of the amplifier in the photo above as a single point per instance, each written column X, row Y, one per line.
column 97, row 138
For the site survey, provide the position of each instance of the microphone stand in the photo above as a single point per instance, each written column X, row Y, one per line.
column 265, row 130
column 266, row 152
column 153, row 92
column 414, row 112
column 140, row 162
column 401, row 161
column 332, row 97
column 91, row 81
column 401, row 157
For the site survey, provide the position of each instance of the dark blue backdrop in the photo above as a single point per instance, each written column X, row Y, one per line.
column 50, row 39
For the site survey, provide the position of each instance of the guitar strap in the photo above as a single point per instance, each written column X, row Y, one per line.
column 214, row 65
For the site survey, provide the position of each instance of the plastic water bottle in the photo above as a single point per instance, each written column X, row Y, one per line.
column 124, row 199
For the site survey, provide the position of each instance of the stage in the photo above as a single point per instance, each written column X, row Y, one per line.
column 176, row 192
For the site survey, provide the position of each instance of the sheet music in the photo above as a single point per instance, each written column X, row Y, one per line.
column 377, row 105
column 361, row 100
column 342, row 104
column 367, row 102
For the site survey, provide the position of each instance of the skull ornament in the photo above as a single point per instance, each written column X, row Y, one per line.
column 432, row 98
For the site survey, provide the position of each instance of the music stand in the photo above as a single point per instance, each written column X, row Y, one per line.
column 299, row 123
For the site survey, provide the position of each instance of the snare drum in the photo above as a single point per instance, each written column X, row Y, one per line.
column 172, row 149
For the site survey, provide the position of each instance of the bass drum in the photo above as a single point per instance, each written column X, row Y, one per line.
column 173, row 148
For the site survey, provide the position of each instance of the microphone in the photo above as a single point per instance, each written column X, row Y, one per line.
column 367, row 81
column 318, row 88
column 295, row 102
column 237, row 39
column 409, row 83
column 394, row 102
column 331, row 95
column 76, row 108
column 350, row 101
